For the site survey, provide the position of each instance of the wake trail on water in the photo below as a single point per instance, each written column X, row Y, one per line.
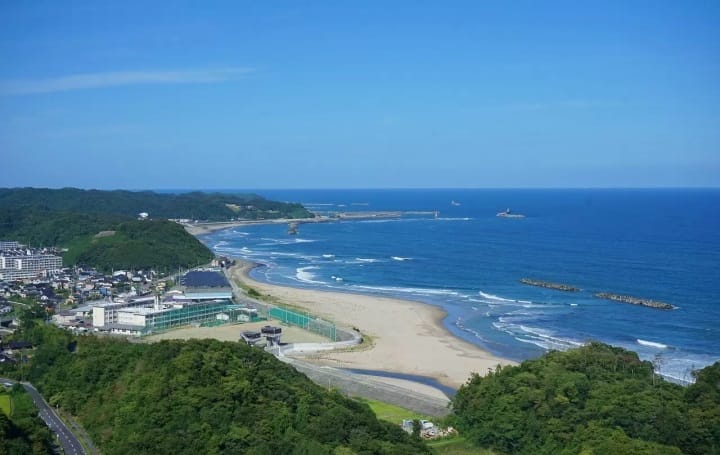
column 652, row 344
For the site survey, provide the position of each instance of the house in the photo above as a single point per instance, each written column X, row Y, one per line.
column 6, row 360
column 15, row 345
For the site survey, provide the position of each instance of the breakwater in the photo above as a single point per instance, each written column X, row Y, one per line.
column 635, row 301
column 549, row 285
column 364, row 215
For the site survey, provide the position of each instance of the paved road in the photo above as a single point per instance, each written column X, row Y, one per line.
column 68, row 441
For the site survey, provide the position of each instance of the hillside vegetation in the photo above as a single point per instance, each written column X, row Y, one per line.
column 195, row 205
column 21, row 430
column 71, row 218
column 202, row 397
column 39, row 227
column 160, row 245
column 593, row 400
column 157, row 244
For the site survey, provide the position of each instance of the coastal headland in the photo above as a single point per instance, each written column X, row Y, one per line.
column 549, row 285
column 407, row 337
column 635, row 301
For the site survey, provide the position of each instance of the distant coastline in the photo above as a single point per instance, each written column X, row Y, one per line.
column 470, row 263
column 408, row 336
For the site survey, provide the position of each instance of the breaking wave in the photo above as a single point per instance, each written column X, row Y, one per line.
column 651, row 344
column 302, row 274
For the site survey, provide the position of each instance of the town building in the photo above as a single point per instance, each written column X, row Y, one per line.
column 9, row 245
column 204, row 298
column 17, row 266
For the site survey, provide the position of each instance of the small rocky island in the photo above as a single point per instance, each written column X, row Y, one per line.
column 549, row 285
column 635, row 301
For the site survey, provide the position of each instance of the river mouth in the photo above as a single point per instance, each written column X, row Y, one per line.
column 447, row 390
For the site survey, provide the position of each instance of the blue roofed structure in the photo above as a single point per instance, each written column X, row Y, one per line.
column 204, row 279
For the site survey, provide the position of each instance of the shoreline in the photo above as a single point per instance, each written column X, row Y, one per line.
column 408, row 337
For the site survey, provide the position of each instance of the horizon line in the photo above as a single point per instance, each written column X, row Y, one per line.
column 367, row 188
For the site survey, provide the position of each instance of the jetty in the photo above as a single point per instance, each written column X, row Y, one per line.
column 549, row 285
column 368, row 215
column 635, row 301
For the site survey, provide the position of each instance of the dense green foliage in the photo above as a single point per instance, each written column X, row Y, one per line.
column 195, row 205
column 595, row 400
column 38, row 227
column 71, row 218
column 160, row 245
column 23, row 432
column 202, row 397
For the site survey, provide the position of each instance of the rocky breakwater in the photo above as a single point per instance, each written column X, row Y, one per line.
column 549, row 285
column 635, row 301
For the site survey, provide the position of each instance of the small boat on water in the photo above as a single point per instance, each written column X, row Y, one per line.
column 454, row 203
column 292, row 228
column 508, row 214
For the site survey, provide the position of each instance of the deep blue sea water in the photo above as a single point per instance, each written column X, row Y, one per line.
column 661, row 244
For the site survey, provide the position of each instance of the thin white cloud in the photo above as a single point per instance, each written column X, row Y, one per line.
column 119, row 78
column 561, row 105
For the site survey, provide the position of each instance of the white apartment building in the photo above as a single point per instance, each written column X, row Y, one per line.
column 15, row 266
column 9, row 245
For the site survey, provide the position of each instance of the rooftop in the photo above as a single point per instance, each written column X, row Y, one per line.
column 204, row 279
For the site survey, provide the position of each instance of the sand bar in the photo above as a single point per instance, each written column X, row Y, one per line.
column 408, row 337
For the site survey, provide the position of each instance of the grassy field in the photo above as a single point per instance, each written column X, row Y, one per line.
column 6, row 404
column 450, row 446
column 390, row 412
column 457, row 446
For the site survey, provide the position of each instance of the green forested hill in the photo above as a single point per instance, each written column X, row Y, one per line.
column 38, row 227
column 71, row 218
column 203, row 397
column 593, row 400
column 160, row 245
column 195, row 205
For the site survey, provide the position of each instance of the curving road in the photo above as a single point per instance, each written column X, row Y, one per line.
column 68, row 441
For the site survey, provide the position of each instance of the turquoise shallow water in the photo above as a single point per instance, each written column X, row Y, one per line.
column 659, row 244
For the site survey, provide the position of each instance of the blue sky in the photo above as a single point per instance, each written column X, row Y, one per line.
column 359, row 94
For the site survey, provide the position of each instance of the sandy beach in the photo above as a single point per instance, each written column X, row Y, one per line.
column 408, row 337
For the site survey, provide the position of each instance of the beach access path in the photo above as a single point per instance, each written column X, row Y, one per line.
column 407, row 337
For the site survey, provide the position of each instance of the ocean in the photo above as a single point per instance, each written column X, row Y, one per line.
column 660, row 244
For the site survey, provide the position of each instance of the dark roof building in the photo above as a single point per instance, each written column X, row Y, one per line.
column 20, row 345
column 204, row 279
